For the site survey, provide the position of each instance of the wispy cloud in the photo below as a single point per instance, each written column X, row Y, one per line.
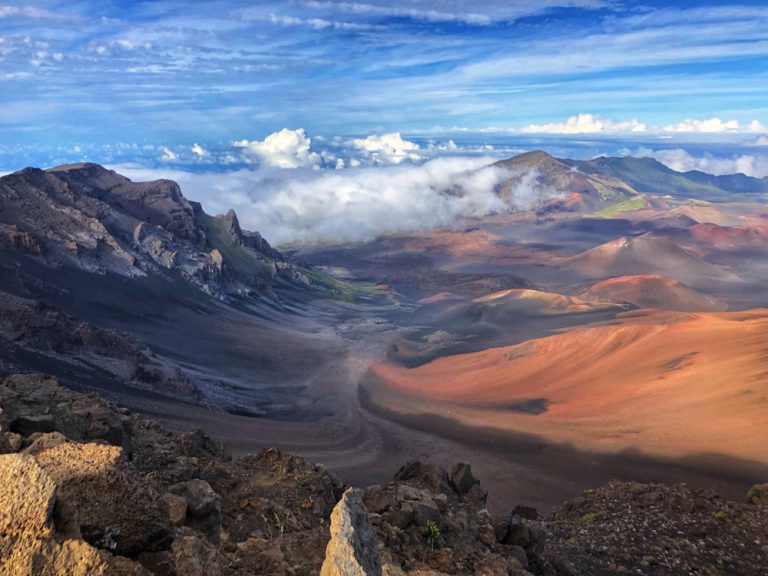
column 219, row 72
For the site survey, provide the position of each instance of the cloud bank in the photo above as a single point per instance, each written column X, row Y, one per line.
column 356, row 204
column 587, row 124
column 682, row 161
column 594, row 124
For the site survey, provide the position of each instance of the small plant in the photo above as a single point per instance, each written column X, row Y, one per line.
column 591, row 516
column 756, row 493
column 307, row 478
column 433, row 534
column 721, row 515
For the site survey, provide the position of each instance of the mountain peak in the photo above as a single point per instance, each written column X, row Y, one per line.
column 533, row 159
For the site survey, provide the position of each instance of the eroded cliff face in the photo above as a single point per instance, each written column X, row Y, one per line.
column 87, row 488
column 93, row 219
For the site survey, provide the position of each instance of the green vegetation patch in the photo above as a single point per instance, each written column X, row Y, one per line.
column 634, row 203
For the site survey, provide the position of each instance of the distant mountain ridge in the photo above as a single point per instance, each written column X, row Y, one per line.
column 93, row 219
column 589, row 185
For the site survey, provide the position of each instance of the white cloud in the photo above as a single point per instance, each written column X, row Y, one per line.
column 587, row 124
column 759, row 141
column 715, row 125
column 482, row 14
column 25, row 12
column 318, row 23
column 199, row 151
column 387, row 148
column 682, row 161
column 355, row 203
column 168, row 155
column 283, row 149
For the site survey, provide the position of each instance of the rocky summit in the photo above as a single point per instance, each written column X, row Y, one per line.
column 93, row 219
column 88, row 488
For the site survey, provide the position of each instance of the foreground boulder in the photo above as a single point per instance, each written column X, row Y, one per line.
column 113, row 507
column 27, row 530
column 353, row 549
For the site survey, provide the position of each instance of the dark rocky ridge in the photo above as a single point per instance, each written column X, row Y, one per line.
column 91, row 218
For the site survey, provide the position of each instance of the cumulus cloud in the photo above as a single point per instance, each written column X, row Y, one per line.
column 682, row 161
column 356, row 204
column 199, row 151
column 715, row 125
column 386, row 148
column 587, row 124
column 283, row 149
column 168, row 155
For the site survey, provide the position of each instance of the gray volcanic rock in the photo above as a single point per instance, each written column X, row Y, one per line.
column 353, row 549
column 91, row 218
column 38, row 333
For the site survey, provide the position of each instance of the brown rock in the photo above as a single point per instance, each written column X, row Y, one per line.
column 375, row 499
column 114, row 507
column 41, row 442
column 27, row 544
column 203, row 506
column 177, row 508
column 440, row 560
column 26, row 499
column 194, row 556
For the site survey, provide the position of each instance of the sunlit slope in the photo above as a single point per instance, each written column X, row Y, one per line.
column 665, row 383
column 651, row 291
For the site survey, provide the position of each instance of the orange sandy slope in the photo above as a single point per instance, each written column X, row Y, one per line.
column 667, row 383
column 651, row 291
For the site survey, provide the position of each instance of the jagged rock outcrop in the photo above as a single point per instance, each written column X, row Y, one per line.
column 353, row 549
column 33, row 333
column 93, row 219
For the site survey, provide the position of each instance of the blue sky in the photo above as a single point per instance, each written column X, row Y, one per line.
column 147, row 81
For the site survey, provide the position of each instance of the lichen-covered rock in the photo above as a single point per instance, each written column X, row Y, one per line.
column 114, row 507
column 27, row 544
column 353, row 549
column 27, row 498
